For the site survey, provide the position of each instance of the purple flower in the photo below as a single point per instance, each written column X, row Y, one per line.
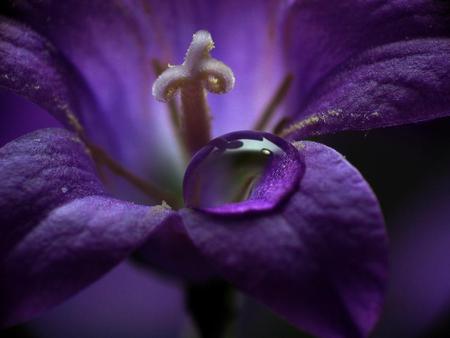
column 309, row 238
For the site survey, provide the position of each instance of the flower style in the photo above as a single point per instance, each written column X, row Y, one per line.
column 309, row 239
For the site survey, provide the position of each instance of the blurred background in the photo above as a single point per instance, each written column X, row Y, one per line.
column 409, row 169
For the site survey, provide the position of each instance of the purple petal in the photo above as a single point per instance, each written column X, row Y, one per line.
column 60, row 231
column 113, row 44
column 127, row 302
column 170, row 250
column 53, row 61
column 367, row 64
column 31, row 67
column 19, row 116
column 320, row 260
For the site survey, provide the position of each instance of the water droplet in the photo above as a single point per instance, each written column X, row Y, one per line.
column 241, row 166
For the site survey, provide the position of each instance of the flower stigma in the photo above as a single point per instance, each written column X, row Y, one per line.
column 197, row 74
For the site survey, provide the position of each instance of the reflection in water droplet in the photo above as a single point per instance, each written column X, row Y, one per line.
column 229, row 168
column 266, row 151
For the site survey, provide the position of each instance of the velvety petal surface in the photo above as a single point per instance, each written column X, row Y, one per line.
column 170, row 250
column 59, row 231
column 127, row 302
column 81, row 81
column 319, row 260
column 19, row 116
column 365, row 64
column 31, row 66
column 119, row 67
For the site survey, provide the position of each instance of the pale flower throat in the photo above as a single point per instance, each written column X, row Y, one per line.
column 198, row 73
column 229, row 170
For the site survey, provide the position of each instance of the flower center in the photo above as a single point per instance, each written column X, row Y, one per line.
column 238, row 170
column 198, row 73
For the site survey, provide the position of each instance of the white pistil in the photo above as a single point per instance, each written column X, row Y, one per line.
column 199, row 72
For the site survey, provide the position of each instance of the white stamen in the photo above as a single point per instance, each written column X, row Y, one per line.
column 198, row 67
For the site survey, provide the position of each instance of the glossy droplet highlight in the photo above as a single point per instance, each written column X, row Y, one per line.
column 266, row 152
column 241, row 172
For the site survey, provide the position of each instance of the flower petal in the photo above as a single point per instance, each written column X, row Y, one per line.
column 119, row 67
column 63, row 58
column 30, row 66
column 20, row 116
column 170, row 250
column 59, row 231
column 367, row 64
column 320, row 260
